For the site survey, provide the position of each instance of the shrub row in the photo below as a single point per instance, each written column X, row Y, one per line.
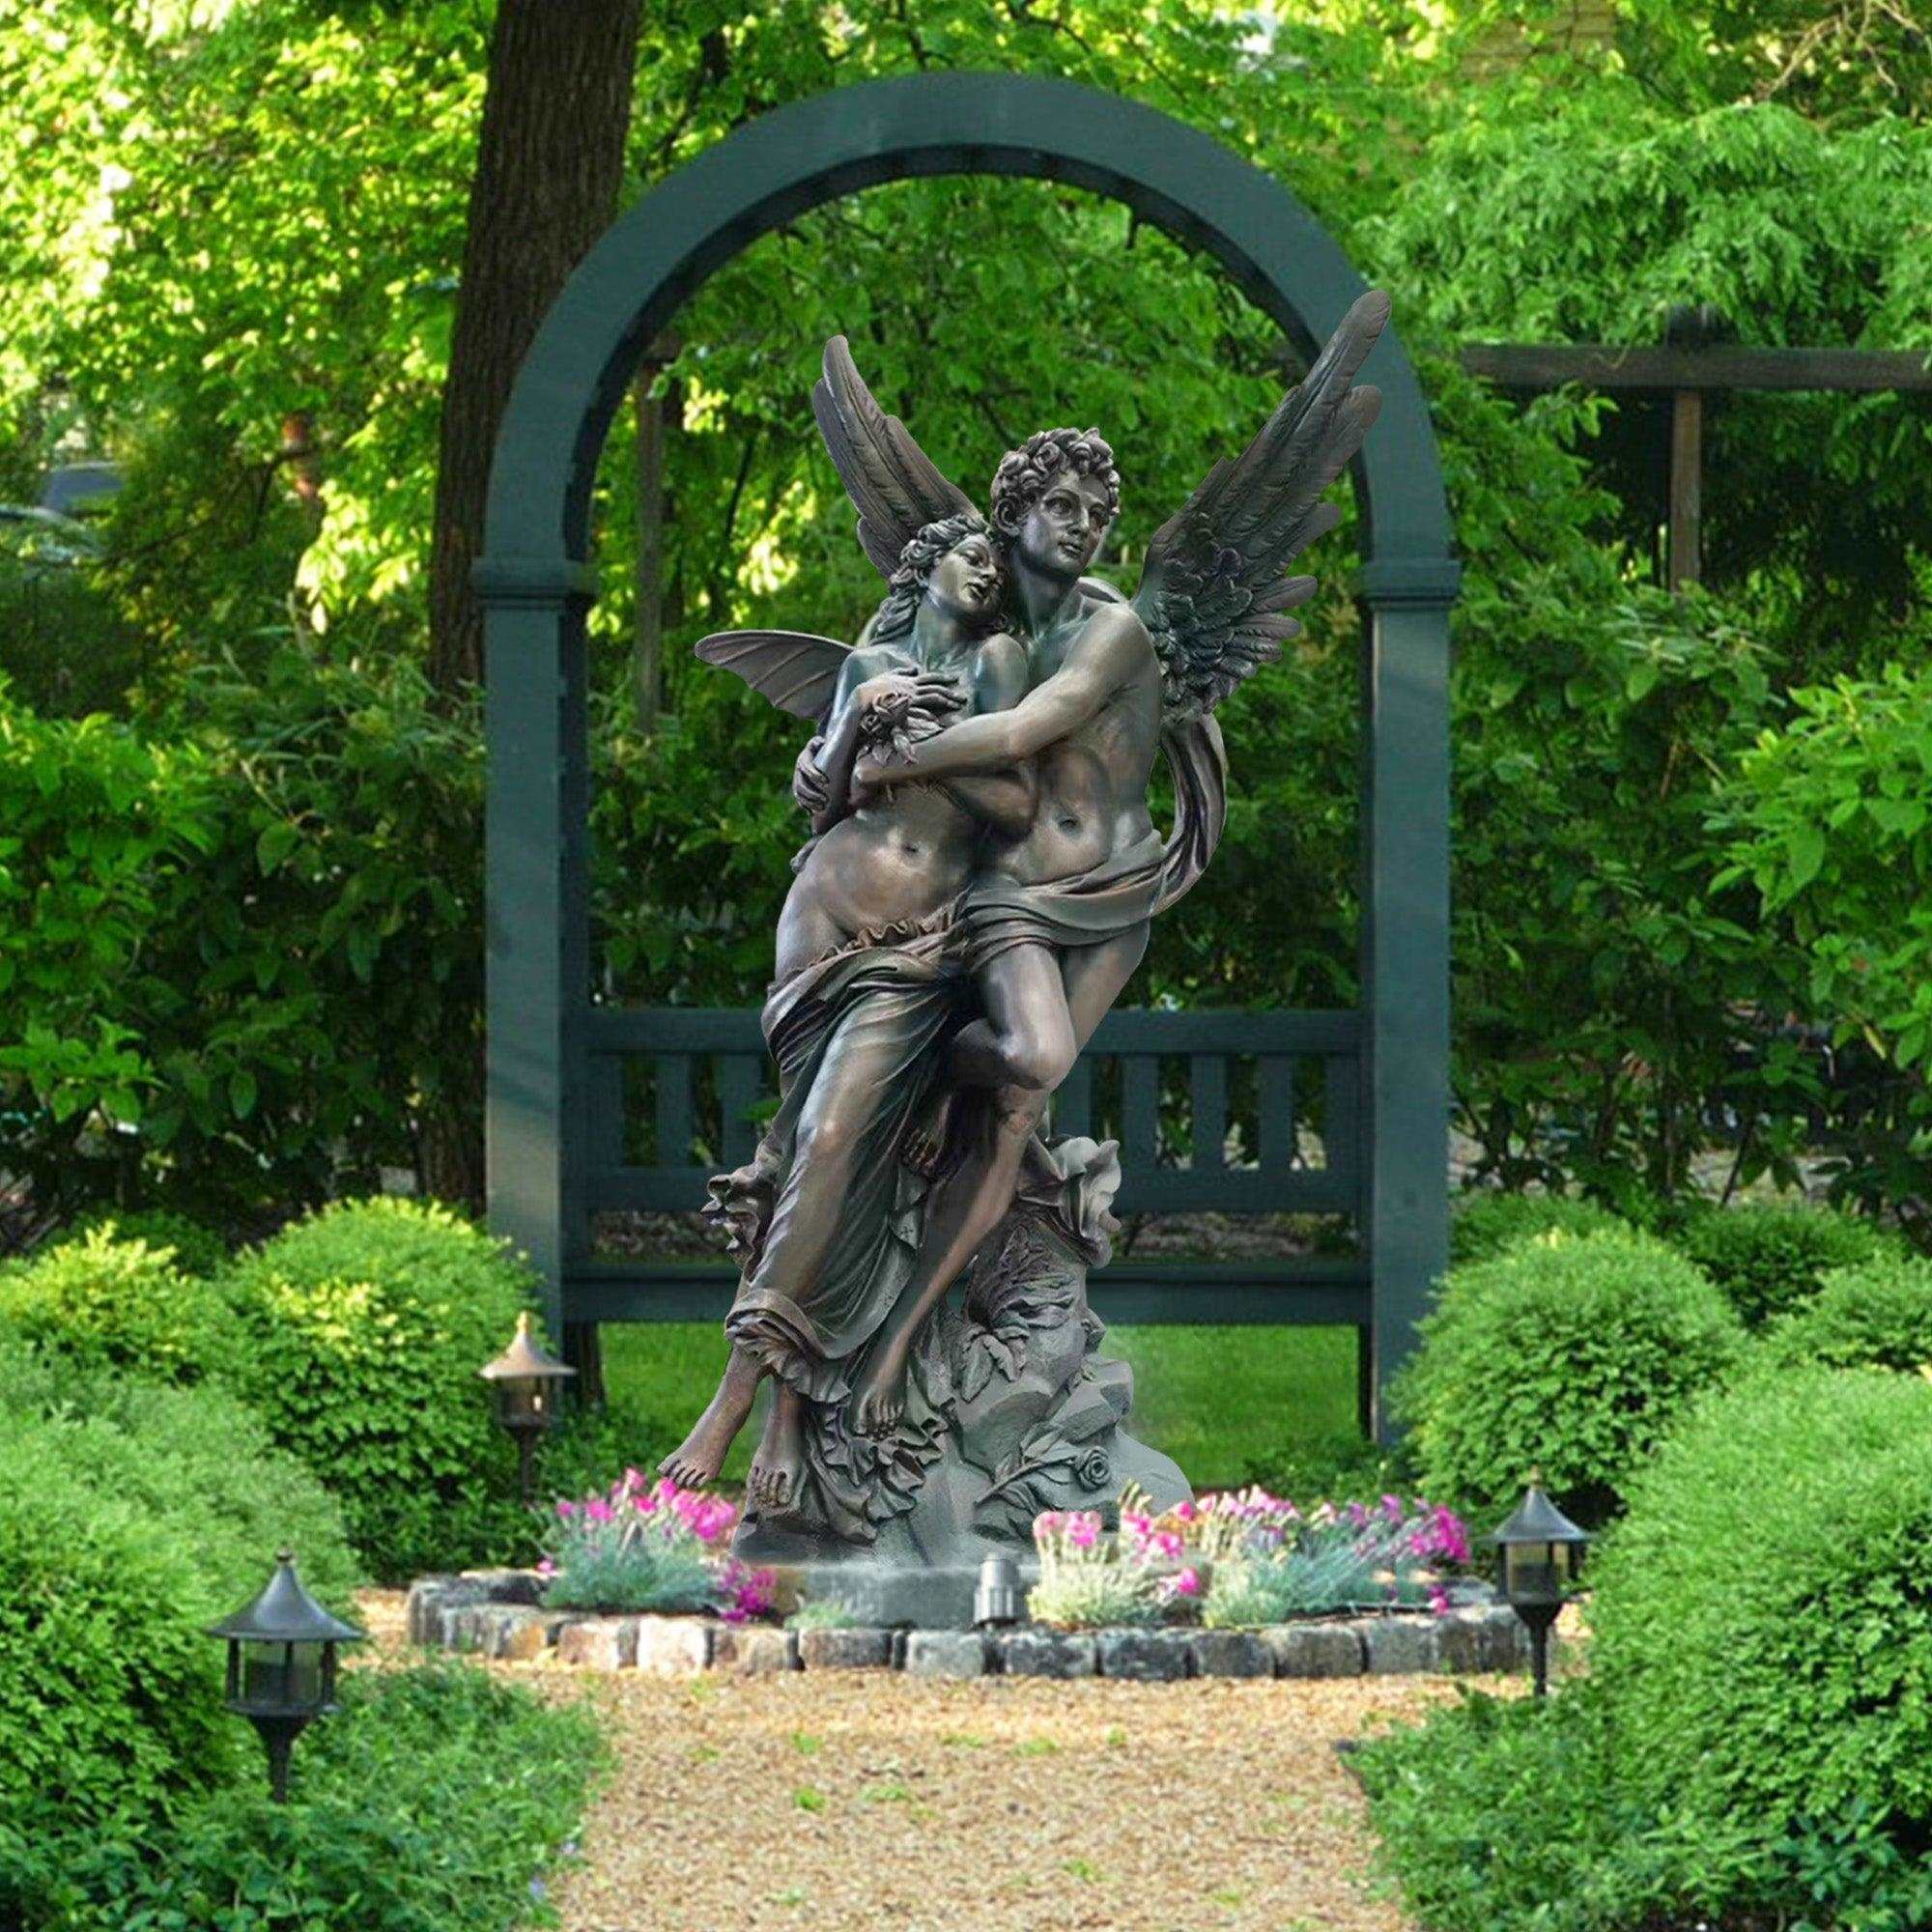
column 354, row 1337
column 1753, row 1745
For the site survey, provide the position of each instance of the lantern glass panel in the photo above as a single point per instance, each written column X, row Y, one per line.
column 265, row 1673
column 1536, row 1573
column 522, row 1402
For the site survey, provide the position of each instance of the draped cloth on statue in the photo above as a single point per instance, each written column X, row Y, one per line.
column 854, row 1034
column 997, row 913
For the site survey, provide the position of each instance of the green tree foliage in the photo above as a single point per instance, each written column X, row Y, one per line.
column 1768, row 1259
column 1748, row 1745
column 131, row 1516
column 111, row 1303
column 1763, row 1618
column 249, row 309
column 435, row 1802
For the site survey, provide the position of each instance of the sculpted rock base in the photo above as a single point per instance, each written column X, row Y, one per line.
column 1014, row 1407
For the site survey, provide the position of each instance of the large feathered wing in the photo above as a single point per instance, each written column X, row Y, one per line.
column 1215, row 591
column 795, row 669
column 893, row 483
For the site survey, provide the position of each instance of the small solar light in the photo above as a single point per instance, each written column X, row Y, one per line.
column 1540, row 1549
column 281, row 1665
column 527, row 1384
column 996, row 1599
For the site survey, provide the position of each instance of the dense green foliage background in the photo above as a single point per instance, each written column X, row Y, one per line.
column 1691, row 841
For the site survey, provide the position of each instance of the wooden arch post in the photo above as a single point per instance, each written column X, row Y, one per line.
column 536, row 586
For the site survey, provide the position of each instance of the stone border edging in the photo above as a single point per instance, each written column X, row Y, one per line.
column 496, row 1614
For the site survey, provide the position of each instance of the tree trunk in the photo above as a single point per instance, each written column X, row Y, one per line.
column 550, row 162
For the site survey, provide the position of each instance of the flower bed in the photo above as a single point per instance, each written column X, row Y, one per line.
column 1239, row 1584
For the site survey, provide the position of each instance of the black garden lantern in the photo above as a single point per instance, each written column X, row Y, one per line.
column 527, row 1384
column 281, row 1665
column 1541, row 1550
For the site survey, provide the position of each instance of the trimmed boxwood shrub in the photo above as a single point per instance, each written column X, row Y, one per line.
column 197, row 1250
column 1768, row 1258
column 1762, row 1619
column 131, row 1516
column 1568, row 1354
column 363, row 1329
column 112, row 1303
column 1877, row 1316
column 1485, row 1223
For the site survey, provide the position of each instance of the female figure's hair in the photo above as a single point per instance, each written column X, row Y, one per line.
column 1023, row 474
column 907, row 583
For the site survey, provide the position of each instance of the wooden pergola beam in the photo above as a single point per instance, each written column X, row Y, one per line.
column 1724, row 365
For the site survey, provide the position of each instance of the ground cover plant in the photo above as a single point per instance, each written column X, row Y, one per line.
column 647, row 1546
column 1570, row 1356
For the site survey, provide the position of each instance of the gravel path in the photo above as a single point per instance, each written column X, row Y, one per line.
column 849, row 1802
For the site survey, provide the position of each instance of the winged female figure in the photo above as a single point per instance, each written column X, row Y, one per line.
column 864, row 986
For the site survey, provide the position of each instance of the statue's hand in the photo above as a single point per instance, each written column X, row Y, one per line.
column 900, row 708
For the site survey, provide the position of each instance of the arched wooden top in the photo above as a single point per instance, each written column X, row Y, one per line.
column 778, row 166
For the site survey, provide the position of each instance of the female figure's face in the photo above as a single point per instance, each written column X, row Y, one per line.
column 965, row 582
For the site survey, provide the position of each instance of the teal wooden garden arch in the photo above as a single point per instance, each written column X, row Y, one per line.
column 557, row 1152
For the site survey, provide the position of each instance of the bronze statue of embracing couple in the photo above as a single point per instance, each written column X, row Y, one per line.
column 977, row 890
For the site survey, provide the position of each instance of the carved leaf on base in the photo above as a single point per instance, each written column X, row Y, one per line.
column 1020, row 1487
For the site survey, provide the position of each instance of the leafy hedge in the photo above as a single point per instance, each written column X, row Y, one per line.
column 361, row 1333
column 1770, row 1257
column 433, row 1802
column 132, row 1515
column 1485, row 1223
column 1877, row 1316
column 112, row 1303
column 1753, row 1745
column 1763, row 1619
column 1568, row 1354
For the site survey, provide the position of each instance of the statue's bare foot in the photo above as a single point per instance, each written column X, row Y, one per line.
column 696, row 1460
column 880, row 1399
column 928, row 1145
column 779, row 1462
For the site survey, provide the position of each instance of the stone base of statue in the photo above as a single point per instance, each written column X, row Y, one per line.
column 1011, row 1406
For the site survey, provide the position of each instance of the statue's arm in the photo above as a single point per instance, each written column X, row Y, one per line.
column 1110, row 652
column 841, row 747
column 1007, row 800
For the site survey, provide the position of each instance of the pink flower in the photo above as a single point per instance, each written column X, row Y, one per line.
column 1187, row 1584
column 598, row 1510
column 1083, row 1529
column 546, row 1568
column 565, row 1508
column 1439, row 1598
column 1392, row 1508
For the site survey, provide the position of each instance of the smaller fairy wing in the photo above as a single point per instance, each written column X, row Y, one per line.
column 795, row 669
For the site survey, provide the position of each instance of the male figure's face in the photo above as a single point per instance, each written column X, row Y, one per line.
column 1063, row 529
